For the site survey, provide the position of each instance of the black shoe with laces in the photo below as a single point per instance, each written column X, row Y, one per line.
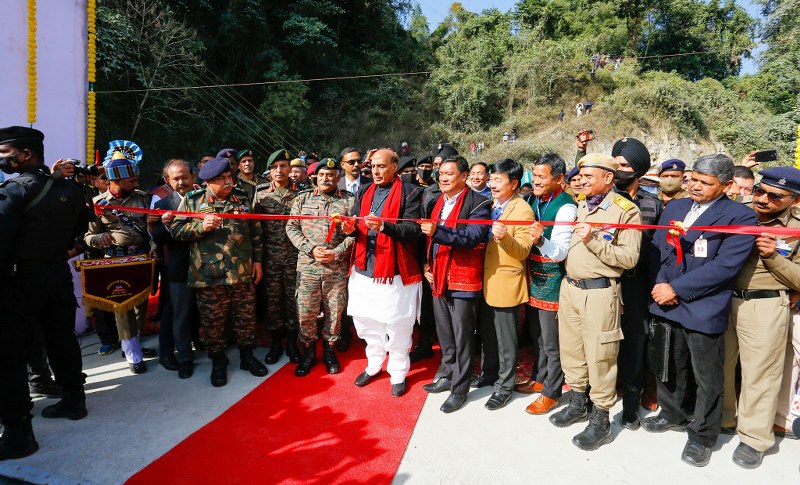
column 597, row 432
column 575, row 412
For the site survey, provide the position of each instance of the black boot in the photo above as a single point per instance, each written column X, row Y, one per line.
column 329, row 357
column 630, row 408
column 309, row 360
column 574, row 413
column 291, row 347
column 71, row 406
column 219, row 369
column 597, row 432
column 275, row 352
column 248, row 362
column 344, row 339
column 18, row 440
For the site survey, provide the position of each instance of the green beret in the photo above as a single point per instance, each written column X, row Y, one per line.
column 327, row 163
column 244, row 153
column 277, row 155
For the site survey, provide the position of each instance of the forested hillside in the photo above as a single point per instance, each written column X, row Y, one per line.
column 664, row 70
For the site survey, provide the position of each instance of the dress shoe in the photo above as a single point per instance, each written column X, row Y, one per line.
column 420, row 352
column 45, row 389
column 574, row 413
column 696, row 454
column 747, row 457
column 631, row 422
column 329, row 358
column 453, row 403
column 169, row 362
column 248, row 362
column 481, row 381
column 659, row 424
column 439, row 385
column 530, row 387
column 344, row 341
column 185, row 370
column 399, row 389
column 148, row 353
column 73, row 408
column 18, row 440
column 363, row 379
column 497, row 400
column 138, row 367
column 597, row 432
column 542, row 405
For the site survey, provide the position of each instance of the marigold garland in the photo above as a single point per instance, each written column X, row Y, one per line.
column 91, row 56
column 797, row 151
column 32, row 79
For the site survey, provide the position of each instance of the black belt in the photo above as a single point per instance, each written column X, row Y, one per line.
column 755, row 294
column 591, row 283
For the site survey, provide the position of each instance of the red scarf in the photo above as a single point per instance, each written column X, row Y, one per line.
column 441, row 262
column 388, row 255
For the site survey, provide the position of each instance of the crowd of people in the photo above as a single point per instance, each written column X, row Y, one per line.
column 380, row 242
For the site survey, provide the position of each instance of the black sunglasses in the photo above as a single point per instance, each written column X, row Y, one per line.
column 758, row 191
column 352, row 162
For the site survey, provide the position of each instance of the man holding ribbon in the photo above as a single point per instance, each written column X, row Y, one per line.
column 760, row 317
column 692, row 300
column 120, row 233
column 322, row 264
column 455, row 273
column 385, row 279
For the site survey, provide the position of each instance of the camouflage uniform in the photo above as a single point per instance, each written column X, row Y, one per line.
column 320, row 285
column 221, row 267
column 279, row 259
column 130, row 237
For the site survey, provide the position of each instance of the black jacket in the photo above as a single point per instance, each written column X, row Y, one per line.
column 175, row 252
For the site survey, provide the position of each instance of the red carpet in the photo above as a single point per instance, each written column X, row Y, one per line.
column 318, row 429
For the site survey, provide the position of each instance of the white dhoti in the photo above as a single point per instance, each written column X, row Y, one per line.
column 384, row 316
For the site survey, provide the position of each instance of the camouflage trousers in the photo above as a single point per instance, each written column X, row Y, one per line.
column 217, row 304
column 320, row 291
column 277, row 293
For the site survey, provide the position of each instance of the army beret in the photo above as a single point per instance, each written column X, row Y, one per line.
column 313, row 168
column 598, row 160
column 20, row 133
column 120, row 167
column 634, row 152
column 326, row 163
column 277, row 155
column 672, row 165
column 787, row 178
column 297, row 162
column 227, row 153
column 445, row 151
column 573, row 172
column 406, row 161
column 243, row 153
column 214, row 168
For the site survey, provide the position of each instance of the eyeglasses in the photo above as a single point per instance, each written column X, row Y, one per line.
column 352, row 162
column 758, row 191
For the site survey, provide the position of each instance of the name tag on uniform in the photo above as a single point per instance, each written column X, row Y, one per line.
column 701, row 248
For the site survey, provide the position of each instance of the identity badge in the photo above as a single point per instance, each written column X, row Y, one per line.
column 701, row 248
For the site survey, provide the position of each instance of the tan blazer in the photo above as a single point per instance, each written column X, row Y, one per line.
column 505, row 282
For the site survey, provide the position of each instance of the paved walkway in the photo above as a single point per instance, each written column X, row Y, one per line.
column 135, row 419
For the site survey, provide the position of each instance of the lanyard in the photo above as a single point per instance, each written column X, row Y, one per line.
column 538, row 202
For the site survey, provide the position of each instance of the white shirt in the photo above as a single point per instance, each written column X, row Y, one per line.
column 353, row 186
column 557, row 247
column 449, row 203
column 696, row 211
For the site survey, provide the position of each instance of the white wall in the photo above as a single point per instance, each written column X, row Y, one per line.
column 61, row 66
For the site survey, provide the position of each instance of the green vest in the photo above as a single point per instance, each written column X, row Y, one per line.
column 546, row 275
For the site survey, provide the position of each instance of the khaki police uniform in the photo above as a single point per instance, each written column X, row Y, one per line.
column 589, row 302
column 757, row 334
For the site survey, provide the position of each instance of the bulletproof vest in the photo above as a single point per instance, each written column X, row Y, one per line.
column 50, row 227
column 650, row 207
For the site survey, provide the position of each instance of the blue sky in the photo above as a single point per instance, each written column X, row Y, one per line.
column 436, row 10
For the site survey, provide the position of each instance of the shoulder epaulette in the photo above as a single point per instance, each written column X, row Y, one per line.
column 623, row 202
column 263, row 186
column 305, row 191
column 195, row 193
column 239, row 191
column 140, row 192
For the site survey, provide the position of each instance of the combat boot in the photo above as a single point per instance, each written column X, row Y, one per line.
column 574, row 413
column 275, row 352
column 18, row 440
column 291, row 347
column 71, row 406
column 248, row 362
column 219, row 369
column 309, row 360
column 597, row 432
column 630, row 408
column 329, row 357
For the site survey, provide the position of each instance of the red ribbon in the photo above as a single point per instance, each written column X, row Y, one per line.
column 674, row 239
